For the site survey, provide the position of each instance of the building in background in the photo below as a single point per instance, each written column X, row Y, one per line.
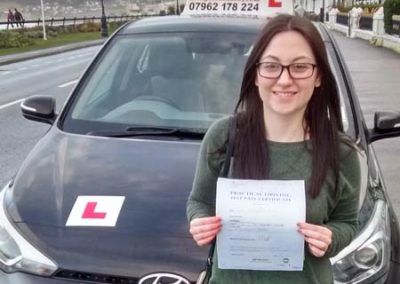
column 132, row 8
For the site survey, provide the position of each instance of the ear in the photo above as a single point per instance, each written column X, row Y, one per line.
column 318, row 80
column 256, row 80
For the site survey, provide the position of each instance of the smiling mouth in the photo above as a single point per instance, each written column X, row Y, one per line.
column 284, row 94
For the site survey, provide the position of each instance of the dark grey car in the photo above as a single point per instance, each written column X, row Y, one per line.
column 101, row 198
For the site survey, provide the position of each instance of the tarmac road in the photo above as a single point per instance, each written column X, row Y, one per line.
column 376, row 76
column 54, row 76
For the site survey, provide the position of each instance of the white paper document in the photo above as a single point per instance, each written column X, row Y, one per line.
column 259, row 218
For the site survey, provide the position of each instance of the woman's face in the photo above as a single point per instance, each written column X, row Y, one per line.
column 285, row 96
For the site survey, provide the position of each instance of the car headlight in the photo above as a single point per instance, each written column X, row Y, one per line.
column 17, row 254
column 366, row 258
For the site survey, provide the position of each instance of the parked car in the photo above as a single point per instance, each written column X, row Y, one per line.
column 101, row 198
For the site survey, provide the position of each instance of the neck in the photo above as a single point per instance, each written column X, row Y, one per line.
column 284, row 129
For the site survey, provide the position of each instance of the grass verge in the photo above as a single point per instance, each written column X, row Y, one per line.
column 61, row 39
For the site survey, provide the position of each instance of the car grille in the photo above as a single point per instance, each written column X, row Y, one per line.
column 95, row 278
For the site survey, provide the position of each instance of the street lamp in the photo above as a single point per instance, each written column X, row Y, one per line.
column 177, row 7
column 43, row 21
column 104, row 29
column 322, row 12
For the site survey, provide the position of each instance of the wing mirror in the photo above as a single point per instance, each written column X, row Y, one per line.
column 39, row 108
column 386, row 125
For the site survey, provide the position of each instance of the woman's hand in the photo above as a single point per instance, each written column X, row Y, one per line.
column 205, row 229
column 317, row 237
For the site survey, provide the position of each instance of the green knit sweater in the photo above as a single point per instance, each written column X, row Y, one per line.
column 288, row 161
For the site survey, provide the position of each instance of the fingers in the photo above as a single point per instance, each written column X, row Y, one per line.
column 205, row 229
column 205, row 220
column 318, row 238
column 206, row 234
column 317, row 244
column 312, row 227
column 316, row 251
column 201, row 241
column 203, row 225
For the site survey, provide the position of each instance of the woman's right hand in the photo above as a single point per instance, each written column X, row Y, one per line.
column 205, row 229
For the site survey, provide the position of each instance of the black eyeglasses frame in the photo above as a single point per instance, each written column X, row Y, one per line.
column 288, row 69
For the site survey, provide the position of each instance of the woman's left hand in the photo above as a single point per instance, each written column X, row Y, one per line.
column 317, row 237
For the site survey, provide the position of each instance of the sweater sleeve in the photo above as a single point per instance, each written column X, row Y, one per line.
column 343, row 221
column 201, row 201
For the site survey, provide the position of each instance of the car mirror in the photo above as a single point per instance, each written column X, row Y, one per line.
column 386, row 125
column 39, row 108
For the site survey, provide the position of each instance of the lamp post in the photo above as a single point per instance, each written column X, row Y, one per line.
column 177, row 8
column 43, row 21
column 104, row 29
column 322, row 12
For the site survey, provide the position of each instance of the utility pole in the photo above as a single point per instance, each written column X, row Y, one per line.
column 43, row 21
column 104, row 29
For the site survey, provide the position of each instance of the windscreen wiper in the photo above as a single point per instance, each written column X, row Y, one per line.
column 149, row 131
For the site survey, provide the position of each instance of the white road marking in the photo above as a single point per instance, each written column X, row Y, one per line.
column 69, row 83
column 10, row 104
column 22, row 68
column 5, row 73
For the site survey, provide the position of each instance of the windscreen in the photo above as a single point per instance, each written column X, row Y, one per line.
column 177, row 80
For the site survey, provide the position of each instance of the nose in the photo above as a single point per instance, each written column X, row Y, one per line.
column 285, row 77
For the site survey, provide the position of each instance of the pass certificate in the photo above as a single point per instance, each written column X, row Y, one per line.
column 259, row 218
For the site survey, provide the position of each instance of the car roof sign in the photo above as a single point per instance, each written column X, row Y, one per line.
column 238, row 8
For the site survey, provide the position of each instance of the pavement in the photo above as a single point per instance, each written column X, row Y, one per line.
column 12, row 58
column 375, row 74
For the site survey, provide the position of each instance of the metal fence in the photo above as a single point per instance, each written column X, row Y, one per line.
column 396, row 26
column 72, row 21
column 342, row 19
column 366, row 23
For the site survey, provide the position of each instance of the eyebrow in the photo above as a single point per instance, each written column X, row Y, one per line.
column 277, row 59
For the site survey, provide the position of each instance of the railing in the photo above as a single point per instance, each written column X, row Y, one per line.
column 396, row 26
column 342, row 19
column 74, row 21
column 366, row 23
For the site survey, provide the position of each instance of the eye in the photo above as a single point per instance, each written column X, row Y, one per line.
column 270, row 66
column 300, row 67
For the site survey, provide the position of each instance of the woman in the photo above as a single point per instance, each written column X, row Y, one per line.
column 289, row 128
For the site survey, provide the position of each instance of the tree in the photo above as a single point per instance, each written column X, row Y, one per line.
column 391, row 7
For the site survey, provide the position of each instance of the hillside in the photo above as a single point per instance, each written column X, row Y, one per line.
column 66, row 8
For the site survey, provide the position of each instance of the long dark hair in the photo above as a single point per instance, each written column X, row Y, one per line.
column 322, row 116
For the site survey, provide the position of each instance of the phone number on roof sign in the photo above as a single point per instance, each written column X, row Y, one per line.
column 218, row 6
column 237, row 8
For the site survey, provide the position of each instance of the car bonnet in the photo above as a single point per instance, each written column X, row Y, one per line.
column 152, row 179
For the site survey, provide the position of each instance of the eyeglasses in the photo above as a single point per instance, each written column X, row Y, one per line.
column 273, row 70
